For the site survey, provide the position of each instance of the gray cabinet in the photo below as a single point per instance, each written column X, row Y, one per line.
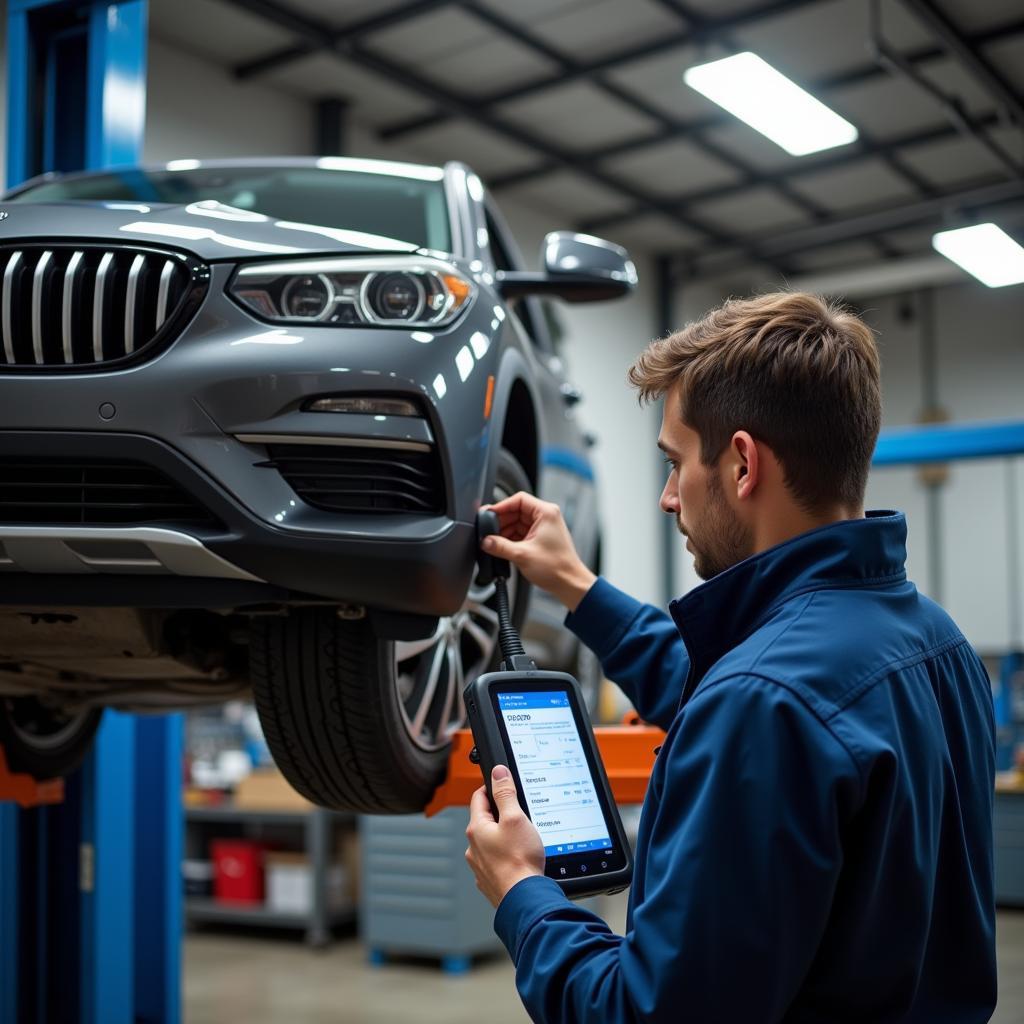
column 417, row 894
column 1009, row 848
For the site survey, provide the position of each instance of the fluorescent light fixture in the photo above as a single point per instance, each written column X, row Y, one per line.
column 752, row 90
column 984, row 250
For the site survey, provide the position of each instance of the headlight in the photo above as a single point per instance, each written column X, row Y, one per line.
column 412, row 291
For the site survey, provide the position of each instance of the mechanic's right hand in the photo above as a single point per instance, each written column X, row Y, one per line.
column 534, row 538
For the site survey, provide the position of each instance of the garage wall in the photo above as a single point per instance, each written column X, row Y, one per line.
column 973, row 564
column 196, row 109
column 601, row 340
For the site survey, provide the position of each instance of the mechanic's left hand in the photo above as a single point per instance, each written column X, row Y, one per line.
column 505, row 851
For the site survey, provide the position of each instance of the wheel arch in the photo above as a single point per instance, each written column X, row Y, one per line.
column 515, row 420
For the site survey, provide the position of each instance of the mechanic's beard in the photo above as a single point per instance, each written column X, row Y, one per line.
column 721, row 540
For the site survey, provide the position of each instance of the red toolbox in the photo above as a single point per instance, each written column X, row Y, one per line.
column 237, row 870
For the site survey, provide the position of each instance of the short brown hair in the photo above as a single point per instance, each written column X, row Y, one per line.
column 799, row 373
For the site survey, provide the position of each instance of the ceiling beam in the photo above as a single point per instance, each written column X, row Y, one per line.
column 969, row 56
column 613, row 61
column 778, row 244
column 907, row 141
column 320, row 35
column 308, row 44
column 689, row 16
column 820, row 86
column 628, row 98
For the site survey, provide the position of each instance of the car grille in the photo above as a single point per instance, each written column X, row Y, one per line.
column 83, row 306
column 92, row 492
column 351, row 479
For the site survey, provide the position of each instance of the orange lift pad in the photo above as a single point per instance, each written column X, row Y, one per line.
column 26, row 791
column 628, row 752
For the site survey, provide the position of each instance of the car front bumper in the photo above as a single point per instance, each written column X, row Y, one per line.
column 203, row 413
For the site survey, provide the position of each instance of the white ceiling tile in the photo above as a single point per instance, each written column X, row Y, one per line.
column 750, row 146
column 913, row 241
column 441, row 33
column 532, row 12
column 814, row 40
column 488, row 67
column 849, row 254
column 651, row 233
column 220, row 32
column 956, row 160
column 886, row 106
column 461, row 52
column 339, row 13
column 659, row 80
column 590, row 29
column 567, row 195
column 672, row 168
column 487, row 152
column 577, row 115
column 1007, row 57
column 756, row 209
column 978, row 15
column 953, row 79
column 374, row 99
column 863, row 183
column 723, row 8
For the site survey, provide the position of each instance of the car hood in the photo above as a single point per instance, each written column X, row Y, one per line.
column 208, row 229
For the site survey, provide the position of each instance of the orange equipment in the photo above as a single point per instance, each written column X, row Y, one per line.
column 26, row 791
column 628, row 753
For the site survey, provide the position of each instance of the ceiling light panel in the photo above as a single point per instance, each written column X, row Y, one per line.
column 752, row 90
column 984, row 251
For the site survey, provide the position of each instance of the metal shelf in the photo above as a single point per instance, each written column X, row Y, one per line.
column 228, row 813
column 316, row 827
column 199, row 909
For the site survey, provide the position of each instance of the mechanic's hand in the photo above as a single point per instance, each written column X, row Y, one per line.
column 503, row 852
column 534, row 537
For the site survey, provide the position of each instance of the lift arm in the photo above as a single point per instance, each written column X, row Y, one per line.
column 26, row 791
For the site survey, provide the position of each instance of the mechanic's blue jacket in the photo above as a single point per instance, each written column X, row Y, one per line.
column 816, row 841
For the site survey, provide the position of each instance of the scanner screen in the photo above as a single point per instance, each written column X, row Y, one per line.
column 553, row 770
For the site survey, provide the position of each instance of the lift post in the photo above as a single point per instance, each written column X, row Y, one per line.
column 90, row 888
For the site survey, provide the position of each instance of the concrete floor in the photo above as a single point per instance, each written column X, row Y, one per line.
column 267, row 981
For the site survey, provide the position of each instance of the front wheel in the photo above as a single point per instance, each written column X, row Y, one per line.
column 42, row 741
column 359, row 723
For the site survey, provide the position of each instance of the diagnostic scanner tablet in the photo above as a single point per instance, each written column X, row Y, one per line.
column 536, row 723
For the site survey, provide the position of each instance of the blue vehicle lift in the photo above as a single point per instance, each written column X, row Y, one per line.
column 90, row 888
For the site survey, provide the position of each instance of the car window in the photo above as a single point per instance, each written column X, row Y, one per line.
column 526, row 310
column 391, row 205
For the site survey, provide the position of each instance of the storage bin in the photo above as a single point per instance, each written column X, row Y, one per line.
column 237, row 871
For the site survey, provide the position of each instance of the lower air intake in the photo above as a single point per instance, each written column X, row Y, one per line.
column 344, row 479
column 93, row 493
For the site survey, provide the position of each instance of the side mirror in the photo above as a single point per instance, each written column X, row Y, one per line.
column 577, row 268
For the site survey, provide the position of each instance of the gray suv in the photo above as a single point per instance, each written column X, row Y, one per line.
column 250, row 410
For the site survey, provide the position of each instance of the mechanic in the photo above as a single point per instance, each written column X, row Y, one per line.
column 816, row 840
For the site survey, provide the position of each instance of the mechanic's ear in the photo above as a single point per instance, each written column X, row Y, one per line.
column 746, row 468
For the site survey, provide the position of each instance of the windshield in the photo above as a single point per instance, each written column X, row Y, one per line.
column 409, row 206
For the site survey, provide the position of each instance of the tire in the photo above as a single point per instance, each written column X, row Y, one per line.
column 362, row 724
column 42, row 741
